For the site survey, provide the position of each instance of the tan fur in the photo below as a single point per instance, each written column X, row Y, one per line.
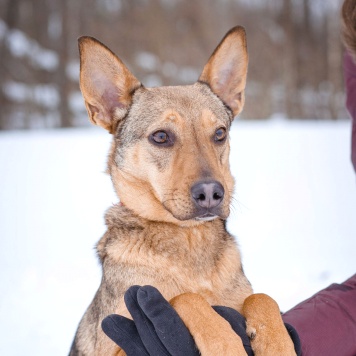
column 159, row 235
column 145, row 190
column 217, row 72
column 104, row 77
column 263, row 324
column 213, row 335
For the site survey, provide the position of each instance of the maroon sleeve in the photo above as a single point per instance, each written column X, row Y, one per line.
column 350, row 82
column 326, row 322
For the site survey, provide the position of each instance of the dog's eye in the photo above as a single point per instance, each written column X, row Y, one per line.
column 220, row 135
column 162, row 138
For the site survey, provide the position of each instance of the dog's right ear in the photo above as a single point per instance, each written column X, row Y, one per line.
column 106, row 83
column 226, row 70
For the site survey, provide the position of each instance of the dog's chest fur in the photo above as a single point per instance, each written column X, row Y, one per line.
column 202, row 259
column 134, row 251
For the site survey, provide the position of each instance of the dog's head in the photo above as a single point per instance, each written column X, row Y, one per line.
column 169, row 159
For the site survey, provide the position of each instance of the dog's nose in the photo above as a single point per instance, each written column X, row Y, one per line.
column 208, row 194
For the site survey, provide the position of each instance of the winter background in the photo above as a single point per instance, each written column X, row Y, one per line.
column 294, row 211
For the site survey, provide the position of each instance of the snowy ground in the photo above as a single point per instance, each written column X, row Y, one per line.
column 294, row 217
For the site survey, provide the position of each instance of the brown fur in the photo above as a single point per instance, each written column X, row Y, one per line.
column 348, row 16
column 263, row 324
column 216, row 337
column 158, row 235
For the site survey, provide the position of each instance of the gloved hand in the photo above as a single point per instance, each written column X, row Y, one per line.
column 157, row 329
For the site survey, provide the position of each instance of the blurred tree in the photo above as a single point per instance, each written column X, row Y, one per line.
column 64, row 56
column 9, row 9
column 295, row 52
column 290, row 63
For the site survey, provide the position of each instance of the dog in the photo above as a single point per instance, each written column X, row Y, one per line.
column 169, row 164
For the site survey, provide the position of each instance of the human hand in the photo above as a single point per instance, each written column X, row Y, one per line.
column 157, row 329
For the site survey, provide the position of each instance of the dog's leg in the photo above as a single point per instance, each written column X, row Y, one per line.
column 265, row 327
column 212, row 334
column 105, row 346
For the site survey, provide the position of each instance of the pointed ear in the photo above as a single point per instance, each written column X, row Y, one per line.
column 226, row 70
column 106, row 84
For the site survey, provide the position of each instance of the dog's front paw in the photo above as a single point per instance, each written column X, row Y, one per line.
column 265, row 327
column 212, row 333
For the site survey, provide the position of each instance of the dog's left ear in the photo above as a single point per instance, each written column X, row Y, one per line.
column 226, row 70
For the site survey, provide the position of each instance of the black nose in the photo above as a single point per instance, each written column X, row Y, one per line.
column 207, row 194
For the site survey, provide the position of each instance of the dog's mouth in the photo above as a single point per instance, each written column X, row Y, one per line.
column 206, row 217
column 197, row 216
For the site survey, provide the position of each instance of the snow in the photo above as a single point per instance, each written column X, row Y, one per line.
column 294, row 217
column 295, row 214
column 45, row 94
column 20, row 45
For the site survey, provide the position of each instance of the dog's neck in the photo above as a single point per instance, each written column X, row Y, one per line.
column 120, row 214
column 129, row 227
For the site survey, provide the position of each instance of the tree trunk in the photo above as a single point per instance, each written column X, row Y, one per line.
column 11, row 16
column 63, row 82
column 290, row 62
